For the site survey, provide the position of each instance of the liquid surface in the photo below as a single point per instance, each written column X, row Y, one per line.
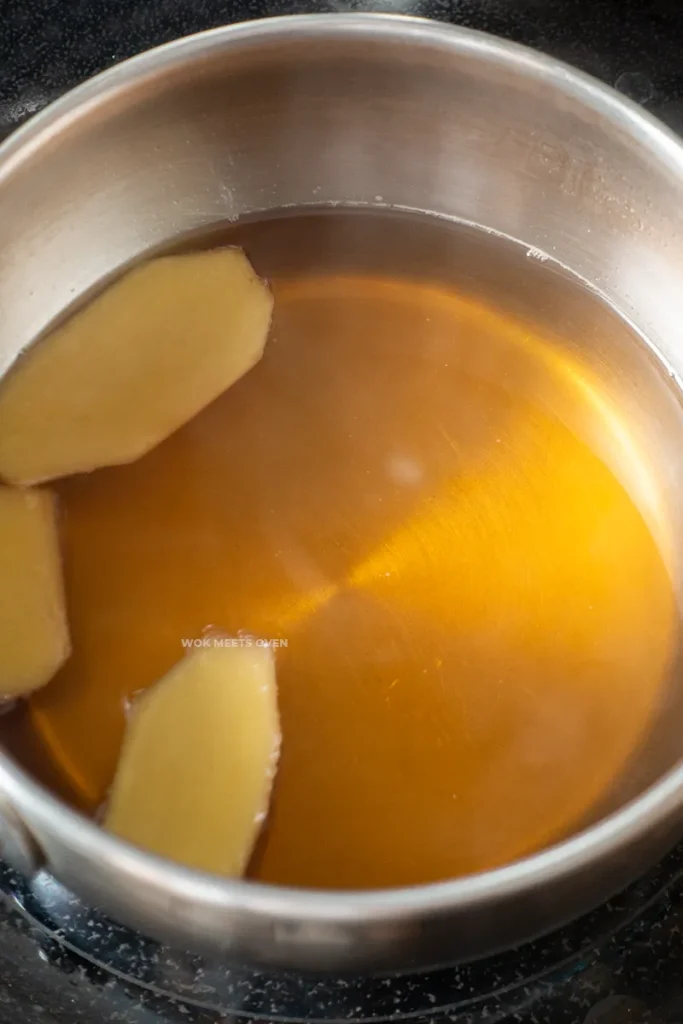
column 478, row 622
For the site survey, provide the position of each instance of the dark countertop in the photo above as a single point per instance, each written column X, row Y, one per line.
column 622, row 964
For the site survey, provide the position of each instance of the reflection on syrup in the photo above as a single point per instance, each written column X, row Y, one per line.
column 479, row 623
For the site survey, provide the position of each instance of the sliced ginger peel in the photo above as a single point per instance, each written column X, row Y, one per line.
column 198, row 760
column 135, row 364
column 34, row 637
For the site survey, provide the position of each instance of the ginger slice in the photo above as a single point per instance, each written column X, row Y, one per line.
column 34, row 636
column 198, row 759
column 134, row 365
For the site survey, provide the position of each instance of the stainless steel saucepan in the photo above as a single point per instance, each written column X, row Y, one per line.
column 378, row 111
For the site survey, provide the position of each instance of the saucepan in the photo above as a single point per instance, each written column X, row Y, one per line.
column 368, row 111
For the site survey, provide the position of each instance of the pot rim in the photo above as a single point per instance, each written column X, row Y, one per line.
column 631, row 821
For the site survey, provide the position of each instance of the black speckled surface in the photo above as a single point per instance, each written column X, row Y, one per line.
column 62, row 964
